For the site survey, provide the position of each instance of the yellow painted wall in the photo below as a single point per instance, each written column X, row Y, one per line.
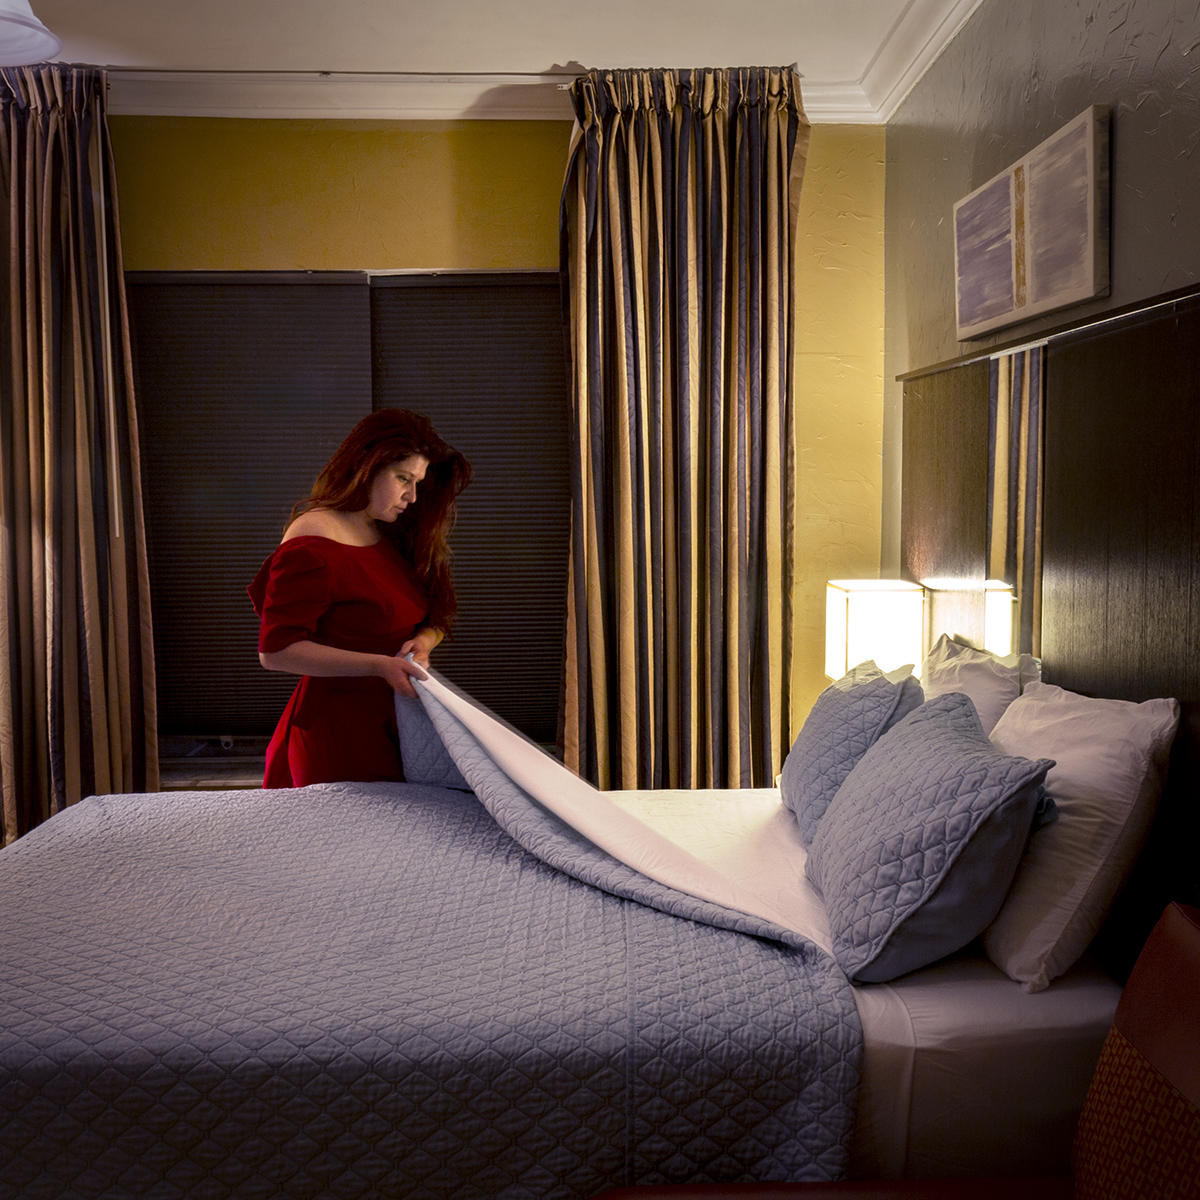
column 839, row 368
column 225, row 194
column 205, row 194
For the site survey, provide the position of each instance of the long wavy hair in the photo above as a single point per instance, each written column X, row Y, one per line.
column 422, row 530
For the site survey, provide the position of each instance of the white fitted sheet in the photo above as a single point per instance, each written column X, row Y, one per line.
column 964, row 1073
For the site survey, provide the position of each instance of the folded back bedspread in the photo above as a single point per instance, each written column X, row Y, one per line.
column 373, row 990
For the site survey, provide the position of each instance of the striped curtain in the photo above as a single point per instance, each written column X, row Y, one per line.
column 77, row 710
column 1015, row 441
column 678, row 233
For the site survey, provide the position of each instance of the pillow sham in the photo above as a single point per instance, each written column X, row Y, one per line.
column 920, row 844
column 992, row 683
column 1111, row 757
column 845, row 722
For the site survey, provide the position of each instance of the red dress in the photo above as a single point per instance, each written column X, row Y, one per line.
column 355, row 598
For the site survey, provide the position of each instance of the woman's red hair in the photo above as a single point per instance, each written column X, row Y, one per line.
column 421, row 532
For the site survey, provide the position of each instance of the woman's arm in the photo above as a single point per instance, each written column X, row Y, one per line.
column 311, row 658
column 421, row 644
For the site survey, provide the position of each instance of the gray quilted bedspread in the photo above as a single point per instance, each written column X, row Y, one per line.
column 372, row 990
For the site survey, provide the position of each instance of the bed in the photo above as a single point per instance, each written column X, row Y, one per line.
column 475, row 985
column 443, row 989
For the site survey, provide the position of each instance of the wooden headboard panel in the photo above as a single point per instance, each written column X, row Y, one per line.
column 1121, row 546
column 943, row 515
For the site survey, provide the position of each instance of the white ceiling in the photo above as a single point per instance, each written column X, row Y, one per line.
column 428, row 59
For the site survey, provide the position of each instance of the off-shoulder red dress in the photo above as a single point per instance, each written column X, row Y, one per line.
column 355, row 598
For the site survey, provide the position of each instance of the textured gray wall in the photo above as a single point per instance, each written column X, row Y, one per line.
column 1018, row 71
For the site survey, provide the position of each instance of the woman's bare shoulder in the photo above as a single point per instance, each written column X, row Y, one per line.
column 325, row 523
column 317, row 522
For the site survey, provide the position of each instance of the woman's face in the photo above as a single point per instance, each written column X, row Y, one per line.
column 395, row 488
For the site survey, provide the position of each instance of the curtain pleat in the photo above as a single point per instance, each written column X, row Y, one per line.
column 77, row 702
column 1015, row 442
column 678, row 233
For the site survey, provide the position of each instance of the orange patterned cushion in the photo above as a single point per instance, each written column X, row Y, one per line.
column 1138, row 1135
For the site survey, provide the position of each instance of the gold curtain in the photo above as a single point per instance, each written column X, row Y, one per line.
column 77, row 702
column 678, row 235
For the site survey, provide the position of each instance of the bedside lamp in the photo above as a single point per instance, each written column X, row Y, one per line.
column 998, row 602
column 879, row 619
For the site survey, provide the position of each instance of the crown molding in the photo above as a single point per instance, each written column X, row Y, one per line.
column 316, row 95
column 912, row 45
column 837, row 103
column 924, row 30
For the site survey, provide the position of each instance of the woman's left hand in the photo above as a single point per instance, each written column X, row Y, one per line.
column 420, row 646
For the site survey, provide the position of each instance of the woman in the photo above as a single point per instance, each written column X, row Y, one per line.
column 360, row 579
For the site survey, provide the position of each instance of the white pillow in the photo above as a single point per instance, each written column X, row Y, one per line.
column 992, row 683
column 1111, row 756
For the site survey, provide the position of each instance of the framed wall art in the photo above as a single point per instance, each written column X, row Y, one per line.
column 1035, row 237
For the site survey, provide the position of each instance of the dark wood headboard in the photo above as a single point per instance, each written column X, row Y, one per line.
column 1121, row 546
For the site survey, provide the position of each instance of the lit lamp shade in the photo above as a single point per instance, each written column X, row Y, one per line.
column 998, row 602
column 879, row 619
column 23, row 38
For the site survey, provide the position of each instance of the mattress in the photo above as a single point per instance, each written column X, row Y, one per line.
column 964, row 1073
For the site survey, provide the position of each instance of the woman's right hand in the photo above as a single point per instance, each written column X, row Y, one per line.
column 400, row 673
column 420, row 645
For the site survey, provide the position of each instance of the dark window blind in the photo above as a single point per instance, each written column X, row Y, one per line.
column 484, row 357
column 246, row 384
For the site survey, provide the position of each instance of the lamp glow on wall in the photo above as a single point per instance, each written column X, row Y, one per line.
column 878, row 619
column 23, row 38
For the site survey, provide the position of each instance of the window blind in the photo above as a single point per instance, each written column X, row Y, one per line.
column 248, row 381
column 483, row 356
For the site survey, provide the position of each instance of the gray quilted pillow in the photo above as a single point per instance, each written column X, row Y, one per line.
column 845, row 722
column 918, row 849
column 422, row 751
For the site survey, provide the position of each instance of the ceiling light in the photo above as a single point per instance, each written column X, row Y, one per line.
column 23, row 38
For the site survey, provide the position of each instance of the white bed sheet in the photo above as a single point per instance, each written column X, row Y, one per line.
column 964, row 1073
